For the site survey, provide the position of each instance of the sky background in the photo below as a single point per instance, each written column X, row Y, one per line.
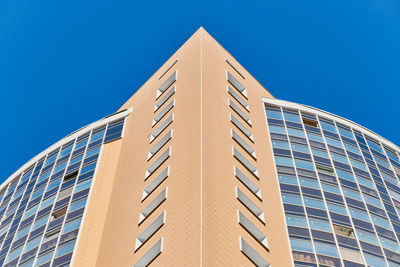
column 65, row 64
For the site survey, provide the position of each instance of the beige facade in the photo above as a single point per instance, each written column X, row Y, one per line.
column 199, row 223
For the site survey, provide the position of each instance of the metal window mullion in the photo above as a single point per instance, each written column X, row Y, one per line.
column 397, row 212
column 386, row 212
column 58, row 191
column 75, row 183
column 341, row 191
column 22, row 212
column 368, row 212
column 35, row 216
column 276, row 171
column 358, row 186
column 26, row 241
column 300, row 191
column 320, row 184
column 8, row 205
column 1, row 202
column 47, row 184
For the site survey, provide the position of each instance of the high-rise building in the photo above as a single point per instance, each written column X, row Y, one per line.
column 203, row 167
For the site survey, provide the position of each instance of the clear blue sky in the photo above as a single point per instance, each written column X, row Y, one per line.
column 64, row 64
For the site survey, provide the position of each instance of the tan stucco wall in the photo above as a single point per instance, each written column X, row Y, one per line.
column 201, row 160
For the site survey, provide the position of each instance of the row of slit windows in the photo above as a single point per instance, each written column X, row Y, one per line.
column 42, row 209
column 163, row 94
column 336, row 157
column 239, row 93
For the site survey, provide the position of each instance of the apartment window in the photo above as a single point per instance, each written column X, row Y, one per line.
column 325, row 170
column 114, row 130
column 351, row 255
column 343, row 231
column 310, row 122
column 51, row 235
column 65, row 193
column 70, row 176
column 150, row 230
column 59, row 213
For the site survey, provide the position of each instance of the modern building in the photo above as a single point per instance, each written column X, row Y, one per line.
column 204, row 167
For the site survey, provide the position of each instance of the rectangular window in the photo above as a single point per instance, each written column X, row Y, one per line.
column 70, row 176
column 51, row 235
column 114, row 130
column 310, row 122
column 325, row 169
column 343, row 231
column 59, row 213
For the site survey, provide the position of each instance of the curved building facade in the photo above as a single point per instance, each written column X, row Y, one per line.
column 339, row 186
column 202, row 166
column 43, row 204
